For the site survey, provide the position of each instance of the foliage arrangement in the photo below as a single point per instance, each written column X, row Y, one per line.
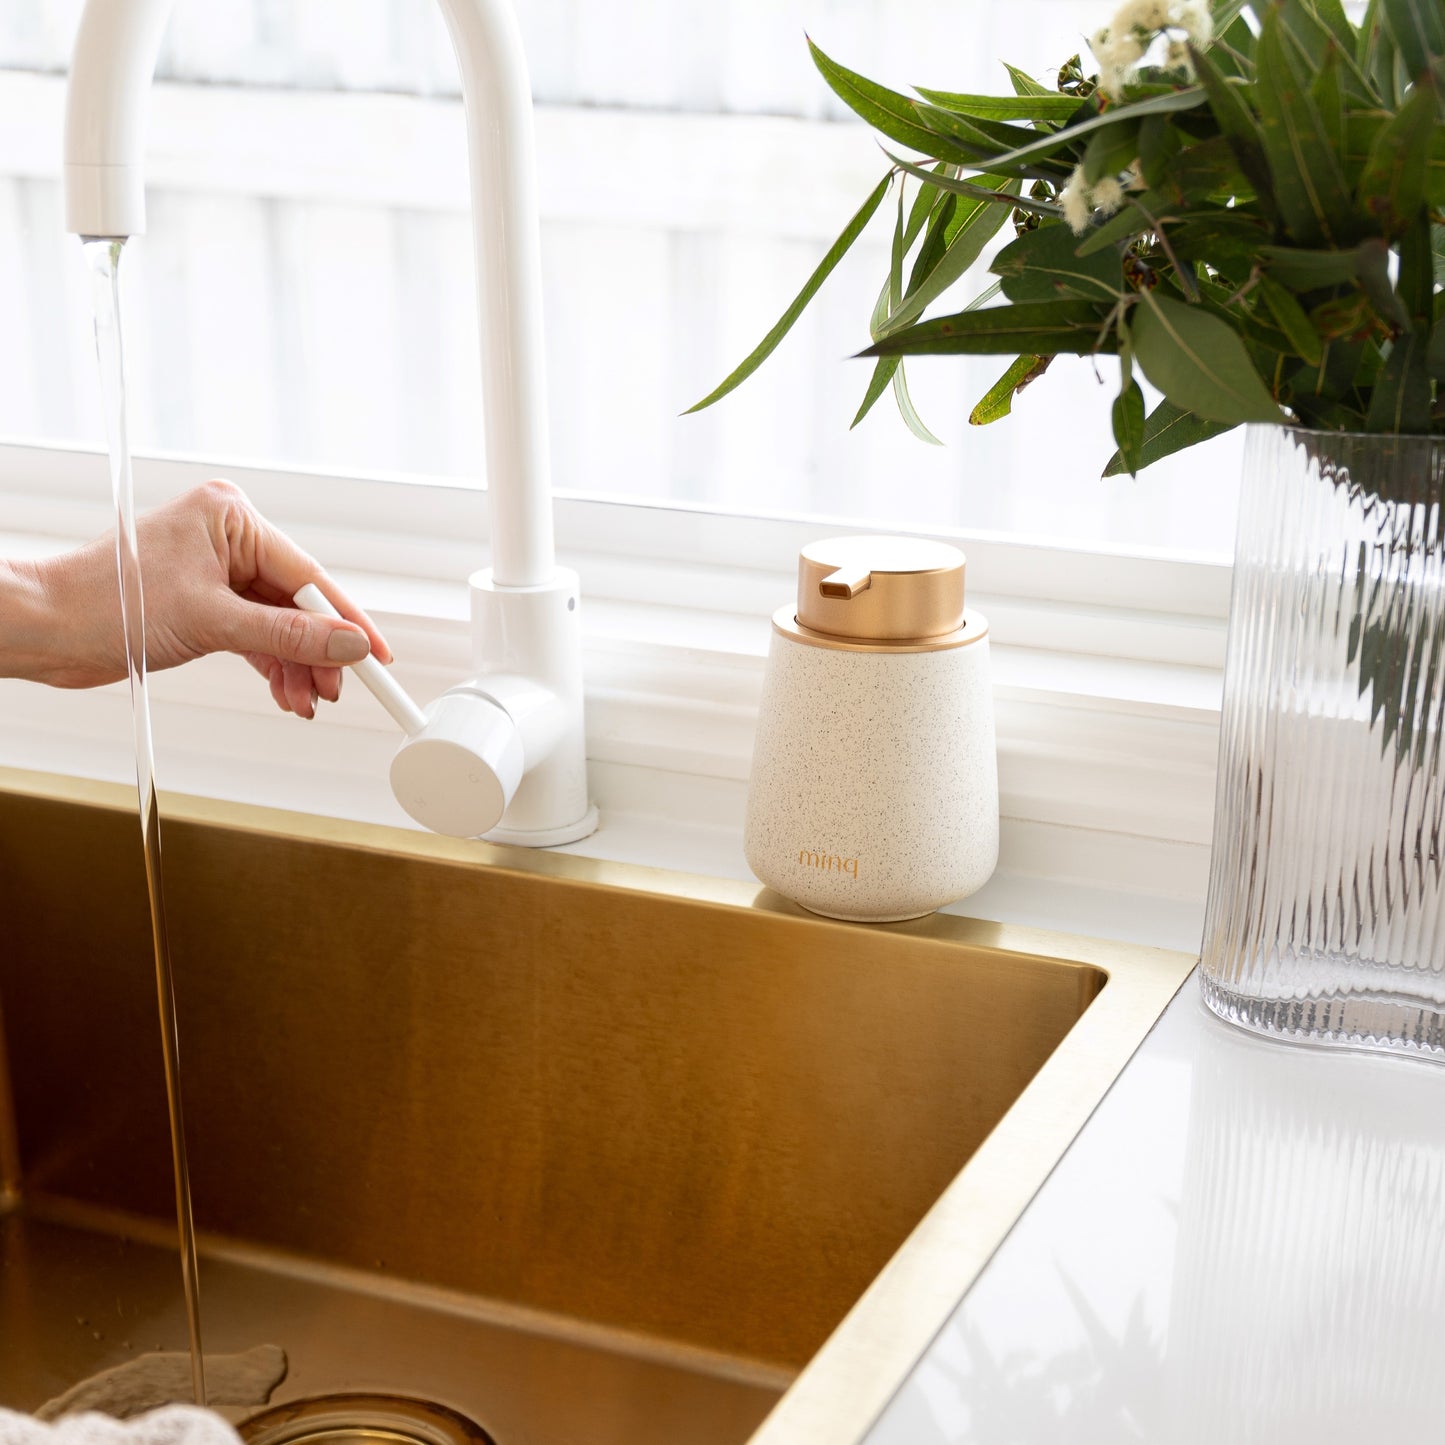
column 1242, row 204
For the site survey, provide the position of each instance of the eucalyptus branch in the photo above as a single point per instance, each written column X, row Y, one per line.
column 1306, row 192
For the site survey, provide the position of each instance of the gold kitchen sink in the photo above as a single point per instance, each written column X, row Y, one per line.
column 594, row 1154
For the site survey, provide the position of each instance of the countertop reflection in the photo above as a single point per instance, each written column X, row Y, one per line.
column 1245, row 1244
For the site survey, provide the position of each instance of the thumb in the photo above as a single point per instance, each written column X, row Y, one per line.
column 295, row 636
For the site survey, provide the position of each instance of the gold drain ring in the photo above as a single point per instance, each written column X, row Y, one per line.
column 362, row 1420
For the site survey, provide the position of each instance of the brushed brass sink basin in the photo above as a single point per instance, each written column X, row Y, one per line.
column 596, row 1155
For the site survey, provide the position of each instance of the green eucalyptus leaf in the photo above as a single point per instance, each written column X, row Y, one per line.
column 1128, row 419
column 1292, row 319
column 1167, row 429
column 1418, row 29
column 1309, row 187
column 1046, row 328
column 1233, row 47
column 877, row 385
column 1303, row 29
column 1377, row 54
column 924, row 203
column 1367, row 373
column 895, row 258
column 1168, row 103
column 1332, row 13
column 1207, row 169
column 1048, row 105
column 1111, row 151
column 979, row 223
column 998, row 400
column 991, row 292
column 784, row 324
column 1025, row 84
column 908, row 411
column 1225, row 12
column 1437, row 251
column 1044, row 263
column 1307, row 270
column 1336, row 376
column 1228, row 238
column 1159, row 143
column 880, row 310
column 1312, row 41
column 1401, row 398
column 1198, row 361
column 1393, row 184
column 1416, row 284
column 1128, row 223
column 1372, row 266
column 1435, row 352
column 1266, row 342
column 1366, row 32
column 887, row 111
column 1236, row 120
column 982, row 136
column 935, row 243
column 1329, row 99
column 974, row 189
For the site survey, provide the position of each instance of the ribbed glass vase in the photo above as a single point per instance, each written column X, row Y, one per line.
column 1326, row 912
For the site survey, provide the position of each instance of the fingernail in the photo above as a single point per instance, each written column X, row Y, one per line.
column 346, row 646
column 315, row 698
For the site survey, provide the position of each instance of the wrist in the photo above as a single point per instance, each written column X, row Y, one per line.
column 29, row 621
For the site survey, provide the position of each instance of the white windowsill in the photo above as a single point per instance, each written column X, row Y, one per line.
column 1107, row 704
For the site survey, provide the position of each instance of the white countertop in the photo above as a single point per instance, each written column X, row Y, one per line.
column 1245, row 1243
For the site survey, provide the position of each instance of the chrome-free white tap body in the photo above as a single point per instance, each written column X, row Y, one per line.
column 466, row 754
column 525, row 608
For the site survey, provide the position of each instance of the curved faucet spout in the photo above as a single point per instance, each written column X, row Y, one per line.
column 114, row 59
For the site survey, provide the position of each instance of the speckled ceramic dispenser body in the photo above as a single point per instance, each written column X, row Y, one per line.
column 874, row 789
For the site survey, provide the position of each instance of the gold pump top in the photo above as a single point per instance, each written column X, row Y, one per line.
column 881, row 590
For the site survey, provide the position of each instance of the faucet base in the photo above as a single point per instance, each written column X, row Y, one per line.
column 584, row 827
column 527, row 643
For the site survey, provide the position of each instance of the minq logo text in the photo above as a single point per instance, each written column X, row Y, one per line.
column 827, row 862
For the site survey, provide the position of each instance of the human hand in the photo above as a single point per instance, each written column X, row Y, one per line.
column 217, row 578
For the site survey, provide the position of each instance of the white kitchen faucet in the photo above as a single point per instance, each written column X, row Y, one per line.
column 504, row 754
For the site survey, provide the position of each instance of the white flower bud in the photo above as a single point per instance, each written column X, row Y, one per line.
column 1074, row 201
column 1107, row 196
column 1193, row 18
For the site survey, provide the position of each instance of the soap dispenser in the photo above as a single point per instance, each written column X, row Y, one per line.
column 874, row 787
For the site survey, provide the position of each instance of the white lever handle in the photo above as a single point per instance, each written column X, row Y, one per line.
column 387, row 690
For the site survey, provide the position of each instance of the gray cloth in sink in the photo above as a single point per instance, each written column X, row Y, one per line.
column 173, row 1425
column 164, row 1377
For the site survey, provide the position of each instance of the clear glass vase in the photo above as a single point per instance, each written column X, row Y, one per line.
column 1325, row 920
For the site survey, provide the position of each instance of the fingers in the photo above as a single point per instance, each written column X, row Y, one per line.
column 290, row 634
column 295, row 688
column 299, row 691
column 262, row 562
column 247, row 606
column 327, row 682
column 278, row 684
column 281, row 565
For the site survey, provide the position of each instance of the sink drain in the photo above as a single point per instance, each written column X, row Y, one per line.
column 362, row 1420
